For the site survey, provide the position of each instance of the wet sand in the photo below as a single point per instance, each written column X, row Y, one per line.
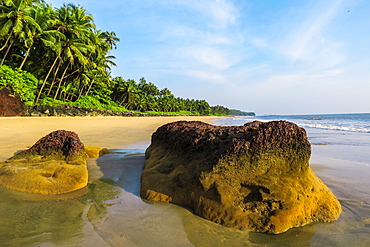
column 110, row 212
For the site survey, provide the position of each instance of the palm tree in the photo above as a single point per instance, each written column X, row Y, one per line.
column 57, row 48
column 102, row 65
column 42, row 14
column 74, row 27
column 110, row 39
column 14, row 21
column 126, row 93
column 165, row 92
column 77, row 27
column 72, row 50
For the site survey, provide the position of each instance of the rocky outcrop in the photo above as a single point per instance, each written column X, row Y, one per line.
column 55, row 164
column 252, row 177
column 74, row 111
column 11, row 104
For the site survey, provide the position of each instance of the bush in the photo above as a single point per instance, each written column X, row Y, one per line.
column 21, row 82
column 88, row 102
column 193, row 113
column 111, row 105
column 51, row 102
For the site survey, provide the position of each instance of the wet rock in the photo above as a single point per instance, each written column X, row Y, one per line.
column 11, row 104
column 252, row 177
column 55, row 164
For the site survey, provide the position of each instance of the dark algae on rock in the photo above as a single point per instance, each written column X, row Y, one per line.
column 253, row 177
column 60, row 142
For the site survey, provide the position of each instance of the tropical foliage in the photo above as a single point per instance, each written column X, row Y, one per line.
column 71, row 60
column 220, row 110
column 241, row 113
column 20, row 82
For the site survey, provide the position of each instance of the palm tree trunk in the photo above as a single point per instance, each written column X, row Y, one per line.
column 25, row 58
column 124, row 98
column 53, row 81
column 7, row 51
column 88, row 90
column 72, row 73
column 80, row 92
column 6, row 42
column 61, row 79
column 46, row 78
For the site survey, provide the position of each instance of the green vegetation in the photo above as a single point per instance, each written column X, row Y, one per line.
column 23, row 83
column 241, row 113
column 220, row 111
column 56, row 56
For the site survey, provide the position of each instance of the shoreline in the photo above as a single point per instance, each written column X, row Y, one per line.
column 19, row 133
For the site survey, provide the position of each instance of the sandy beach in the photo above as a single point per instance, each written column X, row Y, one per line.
column 82, row 218
column 110, row 212
column 111, row 132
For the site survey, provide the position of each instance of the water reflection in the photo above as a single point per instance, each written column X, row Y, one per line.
column 30, row 219
column 26, row 222
column 136, row 222
column 110, row 212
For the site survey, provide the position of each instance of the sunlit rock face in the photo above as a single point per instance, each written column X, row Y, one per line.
column 55, row 164
column 11, row 104
column 252, row 177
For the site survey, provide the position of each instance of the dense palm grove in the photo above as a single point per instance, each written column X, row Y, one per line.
column 58, row 56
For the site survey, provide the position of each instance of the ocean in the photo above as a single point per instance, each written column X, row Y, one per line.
column 359, row 122
column 341, row 159
column 340, row 136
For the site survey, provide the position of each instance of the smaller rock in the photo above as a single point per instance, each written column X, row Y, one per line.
column 55, row 164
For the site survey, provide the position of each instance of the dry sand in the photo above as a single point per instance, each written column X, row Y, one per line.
column 111, row 132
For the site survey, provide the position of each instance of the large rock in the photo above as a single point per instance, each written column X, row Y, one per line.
column 252, row 177
column 55, row 164
column 11, row 104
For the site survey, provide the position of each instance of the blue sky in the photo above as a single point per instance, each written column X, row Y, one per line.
column 270, row 57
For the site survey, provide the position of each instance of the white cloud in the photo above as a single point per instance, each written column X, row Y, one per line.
column 308, row 41
column 220, row 13
column 205, row 76
column 204, row 55
column 259, row 42
column 207, row 44
column 195, row 35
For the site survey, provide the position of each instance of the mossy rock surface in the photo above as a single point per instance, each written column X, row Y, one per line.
column 44, row 175
column 252, row 177
column 96, row 152
column 55, row 164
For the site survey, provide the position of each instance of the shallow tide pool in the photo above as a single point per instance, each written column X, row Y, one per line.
column 110, row 212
